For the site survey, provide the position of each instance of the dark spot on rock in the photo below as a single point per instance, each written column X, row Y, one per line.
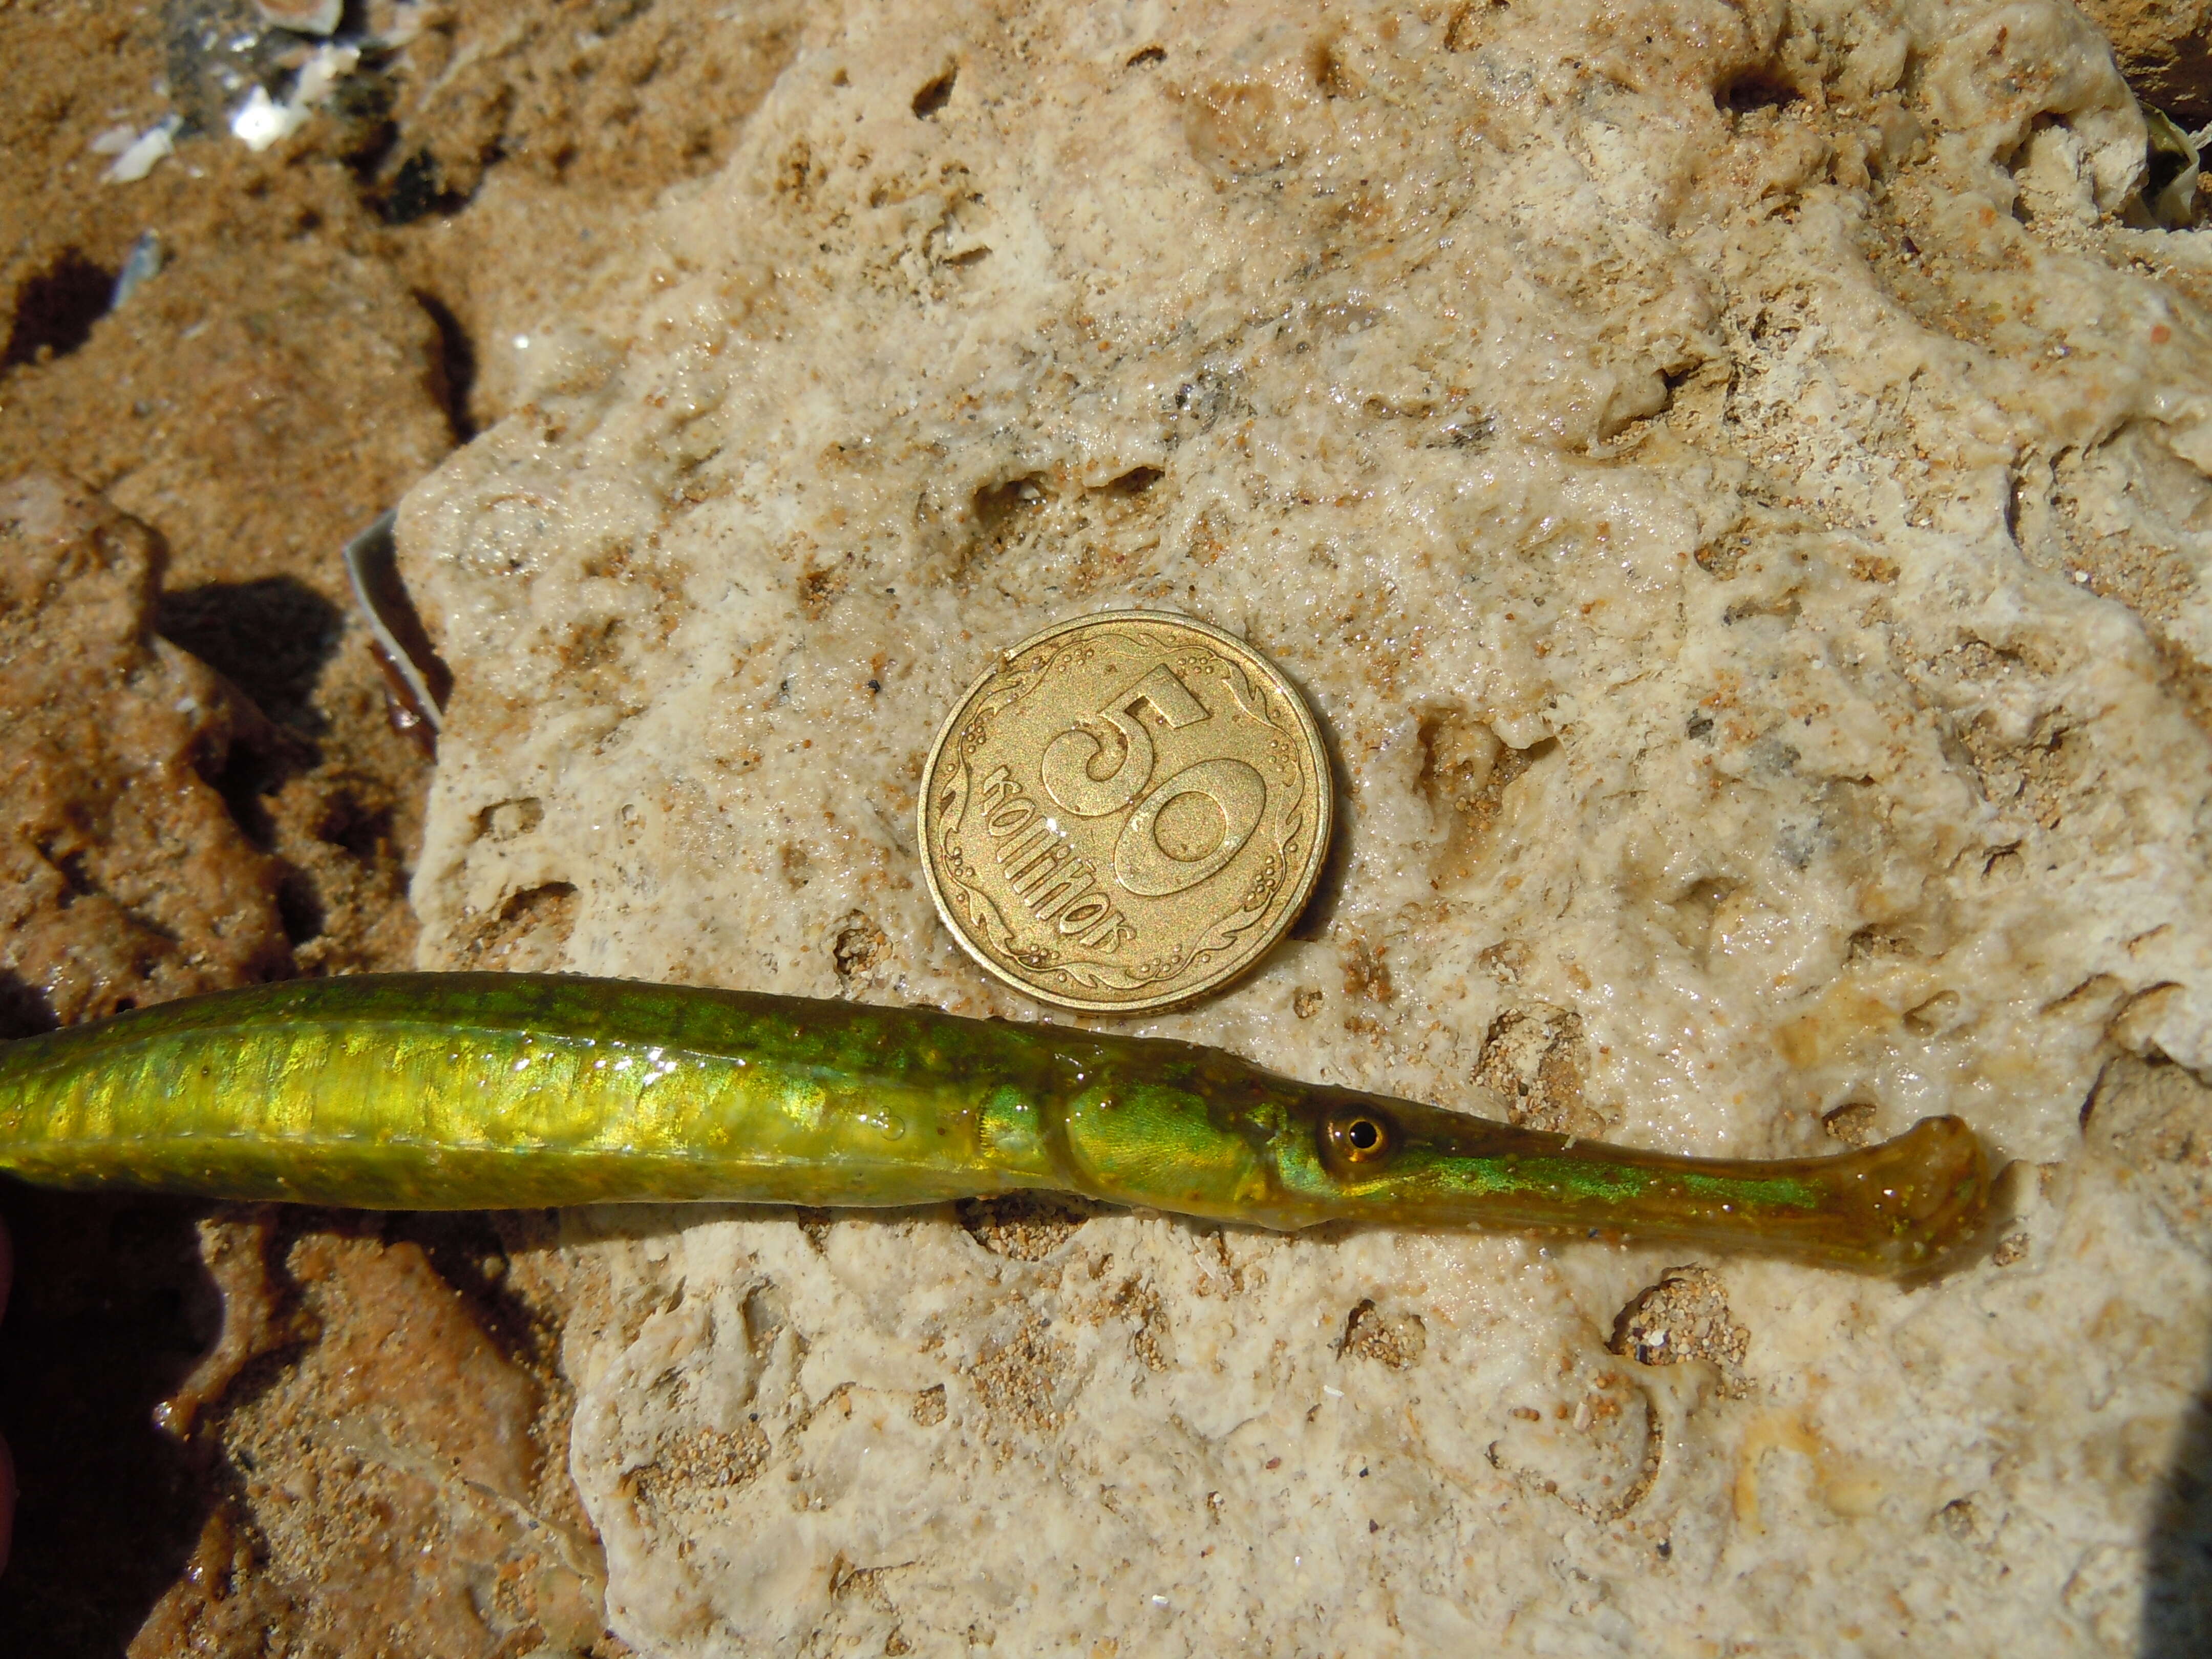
column 1682, row 1318
column 456, row 366
column 24, row 1010
column 1023, row 1226
column 934, row 96
column 1747, row 93
column 416, row 190
column 55, row 310
column 1136, row 481
column 1852, row 1123
column 1396, row 1340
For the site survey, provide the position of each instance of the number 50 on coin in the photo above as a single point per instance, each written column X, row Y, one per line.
column 1126, row 812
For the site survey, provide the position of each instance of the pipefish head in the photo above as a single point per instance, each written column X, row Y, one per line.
column 1207, row 1137
column 1897, row 1207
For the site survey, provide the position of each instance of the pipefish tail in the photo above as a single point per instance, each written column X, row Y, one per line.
column 495, row 1090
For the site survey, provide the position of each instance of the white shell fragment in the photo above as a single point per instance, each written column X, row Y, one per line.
column 303, row 16
column 139, row 157
column 319, row 75
column 140, row 265
column 261, row 121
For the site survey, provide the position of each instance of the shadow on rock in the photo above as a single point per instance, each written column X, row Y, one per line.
column 271, row 638
column 24, row 1010
column 2177, row 1580
column 111, row 1307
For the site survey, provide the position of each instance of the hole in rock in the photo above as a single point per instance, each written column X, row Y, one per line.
column 528, row 932
column 1136, row 481
column 1752, row 92
column 1023, row 1226
column 996, row 503
column 934, row 96
column 301, row 907
column 1395, row 1339
column 1854, row 1122
column 417, row 189
column 2161, row 168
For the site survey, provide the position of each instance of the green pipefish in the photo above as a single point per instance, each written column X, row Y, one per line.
column 497, row 1091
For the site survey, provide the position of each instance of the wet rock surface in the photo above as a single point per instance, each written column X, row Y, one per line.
column 1729, row 478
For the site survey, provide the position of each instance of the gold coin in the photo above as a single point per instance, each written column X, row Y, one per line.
column 1126, row 812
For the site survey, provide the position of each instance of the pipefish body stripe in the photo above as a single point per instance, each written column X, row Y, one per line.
column 492, row 1091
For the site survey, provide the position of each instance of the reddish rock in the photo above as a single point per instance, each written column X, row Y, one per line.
column 390, row 1488
column 2165, row 49
column 123, row 878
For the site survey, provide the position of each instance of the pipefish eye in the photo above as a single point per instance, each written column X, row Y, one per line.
column 1359, row 1137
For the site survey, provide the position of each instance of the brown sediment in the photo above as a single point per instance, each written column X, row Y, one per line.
column 124, row 877
column 399, row 1479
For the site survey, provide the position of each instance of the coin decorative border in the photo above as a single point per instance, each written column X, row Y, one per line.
column 1022, row 670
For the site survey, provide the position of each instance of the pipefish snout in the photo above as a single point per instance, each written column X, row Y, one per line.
column 497, row 1091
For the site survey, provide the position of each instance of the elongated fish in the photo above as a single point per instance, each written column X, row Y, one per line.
column 499, row 1091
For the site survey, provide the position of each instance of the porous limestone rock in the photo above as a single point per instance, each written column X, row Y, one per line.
column 1738, row 497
